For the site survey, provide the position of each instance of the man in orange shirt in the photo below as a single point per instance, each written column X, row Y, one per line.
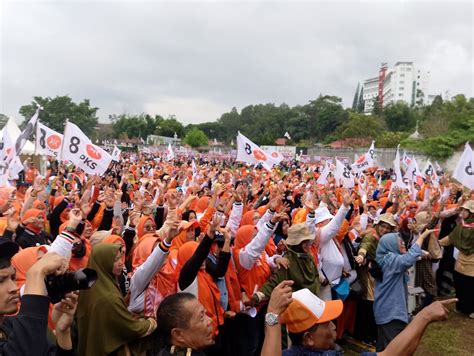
column 30, row 172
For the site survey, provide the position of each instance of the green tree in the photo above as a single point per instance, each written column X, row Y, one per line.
column 196, row 138
column 361, row 101
column 57, row 110
column 362, row 126
column 377, row 109
column 134, row 125
column 168, row 127
column 325, row 115
column 420, row 97
column 400, row 117
column 355, row 101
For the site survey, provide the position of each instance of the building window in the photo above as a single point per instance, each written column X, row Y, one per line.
column 400, row 94
column 408, row 69
column 401, row 88
column 402, row 82
column 402, row 74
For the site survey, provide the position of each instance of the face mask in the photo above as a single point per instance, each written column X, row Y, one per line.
column 79, row 249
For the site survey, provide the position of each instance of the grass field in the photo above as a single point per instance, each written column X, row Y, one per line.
column 453, row 337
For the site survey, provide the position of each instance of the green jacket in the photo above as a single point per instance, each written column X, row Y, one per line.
column 302, row 271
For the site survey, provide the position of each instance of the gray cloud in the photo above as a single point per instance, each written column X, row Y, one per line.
column 197, row 60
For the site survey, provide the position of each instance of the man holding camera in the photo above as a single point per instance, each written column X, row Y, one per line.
column 26, row 332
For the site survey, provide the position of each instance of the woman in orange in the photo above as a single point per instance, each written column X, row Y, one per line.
column 253, row 270
column 193, row 278
column 33, row 234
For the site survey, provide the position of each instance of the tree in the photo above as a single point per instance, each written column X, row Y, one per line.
column 196, row 138
column 419, row 97
column 356, row 98
column 134, row 125
column 169, row 127
column 400, row 117
column 325, row 115
column 361, row 101
column 362, row 126
column 377, row 108
column 57, row 110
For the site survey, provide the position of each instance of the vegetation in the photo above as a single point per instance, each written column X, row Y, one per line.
column 196, row 138
column 57, row 110
column 444, row 125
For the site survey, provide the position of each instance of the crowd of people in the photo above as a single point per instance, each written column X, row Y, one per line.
column 213, row 257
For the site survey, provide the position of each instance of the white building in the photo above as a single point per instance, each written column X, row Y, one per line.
column 404, row 82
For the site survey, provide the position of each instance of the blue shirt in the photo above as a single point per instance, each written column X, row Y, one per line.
column 390, row 300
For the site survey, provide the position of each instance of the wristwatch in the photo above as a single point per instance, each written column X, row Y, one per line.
column 271, row 319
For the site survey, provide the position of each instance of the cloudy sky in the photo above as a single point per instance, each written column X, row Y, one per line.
column 197, row 60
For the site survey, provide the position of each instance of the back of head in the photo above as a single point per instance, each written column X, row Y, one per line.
column 244, row 235
column 172, row 313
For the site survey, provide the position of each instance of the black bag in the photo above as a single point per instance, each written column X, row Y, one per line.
column 375, row 270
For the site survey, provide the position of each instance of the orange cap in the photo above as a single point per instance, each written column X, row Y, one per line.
column 306, row 310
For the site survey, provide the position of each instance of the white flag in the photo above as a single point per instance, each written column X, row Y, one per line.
column 169, row 153
column 413, row 172
column 406, row 160
column 194, row 168
column 344, row 175
column 15, row 168
column 7, row 148
column 464, row 171
column 365, row 161
column 27, row 132
column 79, row 149
column 116, row 154
column 48, row 142
column 249, row 152
column 287, row 135
column 275, row 155
column 323, row 178
column 429, row 171
column 397, row 173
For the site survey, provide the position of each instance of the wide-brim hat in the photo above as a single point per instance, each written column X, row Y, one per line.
column 298, row 233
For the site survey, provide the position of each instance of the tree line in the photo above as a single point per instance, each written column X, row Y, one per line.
column 444, row 125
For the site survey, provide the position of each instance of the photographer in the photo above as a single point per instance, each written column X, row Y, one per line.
column 25, row 333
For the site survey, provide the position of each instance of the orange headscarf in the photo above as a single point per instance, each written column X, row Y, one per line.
column 30, row 213
column 23, row 261
column 112, row 239
column 247, row 218
column 202, row 204
column 208, row 293
column 260, row 272
column 141, row 226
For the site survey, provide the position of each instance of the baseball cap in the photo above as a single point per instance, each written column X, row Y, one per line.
column 307, row 309
column 8, row 249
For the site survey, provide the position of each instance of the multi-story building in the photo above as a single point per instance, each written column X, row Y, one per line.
column 404, row 82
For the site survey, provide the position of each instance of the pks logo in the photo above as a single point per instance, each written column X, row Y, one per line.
column 93, row 152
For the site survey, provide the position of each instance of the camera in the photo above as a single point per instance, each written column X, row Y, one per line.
column 59, row 286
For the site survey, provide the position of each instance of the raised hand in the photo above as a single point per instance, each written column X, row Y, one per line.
column 346, row 198
column 280, row 298
column 75, row 217
column 63, row 312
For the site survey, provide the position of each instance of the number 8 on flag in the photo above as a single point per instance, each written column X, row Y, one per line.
column 78, row 149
